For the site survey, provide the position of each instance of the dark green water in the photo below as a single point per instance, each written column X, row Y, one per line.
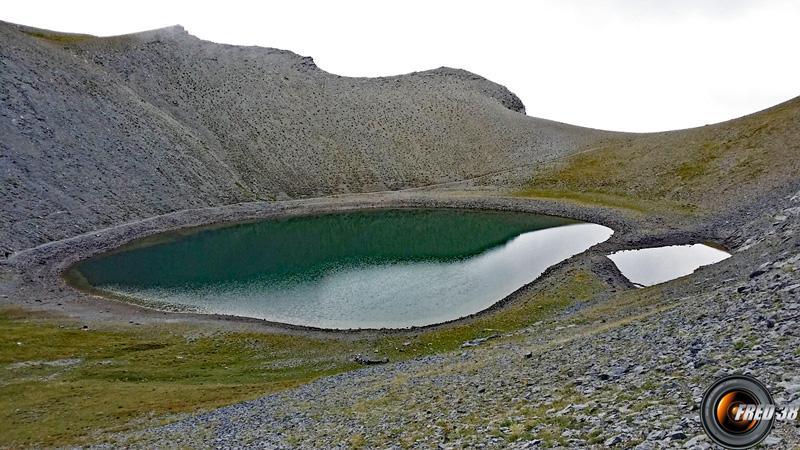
column 366, row 269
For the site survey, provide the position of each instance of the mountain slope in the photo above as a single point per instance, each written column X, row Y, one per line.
column 99, row 131
column 703, row 170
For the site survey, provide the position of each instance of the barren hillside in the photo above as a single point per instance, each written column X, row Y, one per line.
column 102, row 131
column 99, row 131
column 101, row 137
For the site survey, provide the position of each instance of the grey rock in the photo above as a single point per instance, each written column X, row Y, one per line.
column 370, row 361
column 697, row 442
column 141, row 137
column 479, row 341
column 677, row 436
column 656, row 435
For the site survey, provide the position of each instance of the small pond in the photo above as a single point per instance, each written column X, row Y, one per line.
column 363, row 269
column 649, row 266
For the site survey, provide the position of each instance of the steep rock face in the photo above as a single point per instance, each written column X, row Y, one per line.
column 99, row 131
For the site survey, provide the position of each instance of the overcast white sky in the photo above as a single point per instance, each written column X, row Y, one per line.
column 616, row 64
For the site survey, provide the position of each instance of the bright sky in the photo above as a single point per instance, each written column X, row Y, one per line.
column 630, row 65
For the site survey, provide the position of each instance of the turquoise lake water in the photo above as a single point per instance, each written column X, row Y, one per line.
column 364, row 269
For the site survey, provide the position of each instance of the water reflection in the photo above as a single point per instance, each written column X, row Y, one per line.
column 389, row 295
column 649, row 266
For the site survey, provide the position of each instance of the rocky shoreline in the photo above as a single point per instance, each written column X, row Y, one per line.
column 571, row 377
column 111, row 140
column 39, row 271
column 627, row 375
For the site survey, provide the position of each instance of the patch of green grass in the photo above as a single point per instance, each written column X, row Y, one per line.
column 701, row 161
column 625, row 305
column 519, row 431
column 63, row 385
column 608, row 176
column 579, row 286
column 590, row 198
column 61, row 38
column 133, row 374
column 681, row 172
column 357, row 441
column 595, row 437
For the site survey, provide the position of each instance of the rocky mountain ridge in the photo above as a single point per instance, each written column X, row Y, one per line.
column 100, row 131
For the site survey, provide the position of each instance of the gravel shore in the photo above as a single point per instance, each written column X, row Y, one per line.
column 626, row 370
column 111, row 140
column 37, row 274
column 630, row 379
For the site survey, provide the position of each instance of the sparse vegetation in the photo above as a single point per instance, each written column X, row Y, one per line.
column 72, row 382
column 199, row 132
column 681, row 172
column 60, row 38
column 78, row 383
column 631, row 204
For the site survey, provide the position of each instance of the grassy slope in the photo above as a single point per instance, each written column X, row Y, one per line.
column 619, row 309
column 688, row 171
column 60, row 38
column 60, row 384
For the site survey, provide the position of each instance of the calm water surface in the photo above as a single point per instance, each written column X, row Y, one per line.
column 649, row 266
column 366, row 269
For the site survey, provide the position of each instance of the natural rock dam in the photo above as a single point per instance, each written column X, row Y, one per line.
column 365, row 269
